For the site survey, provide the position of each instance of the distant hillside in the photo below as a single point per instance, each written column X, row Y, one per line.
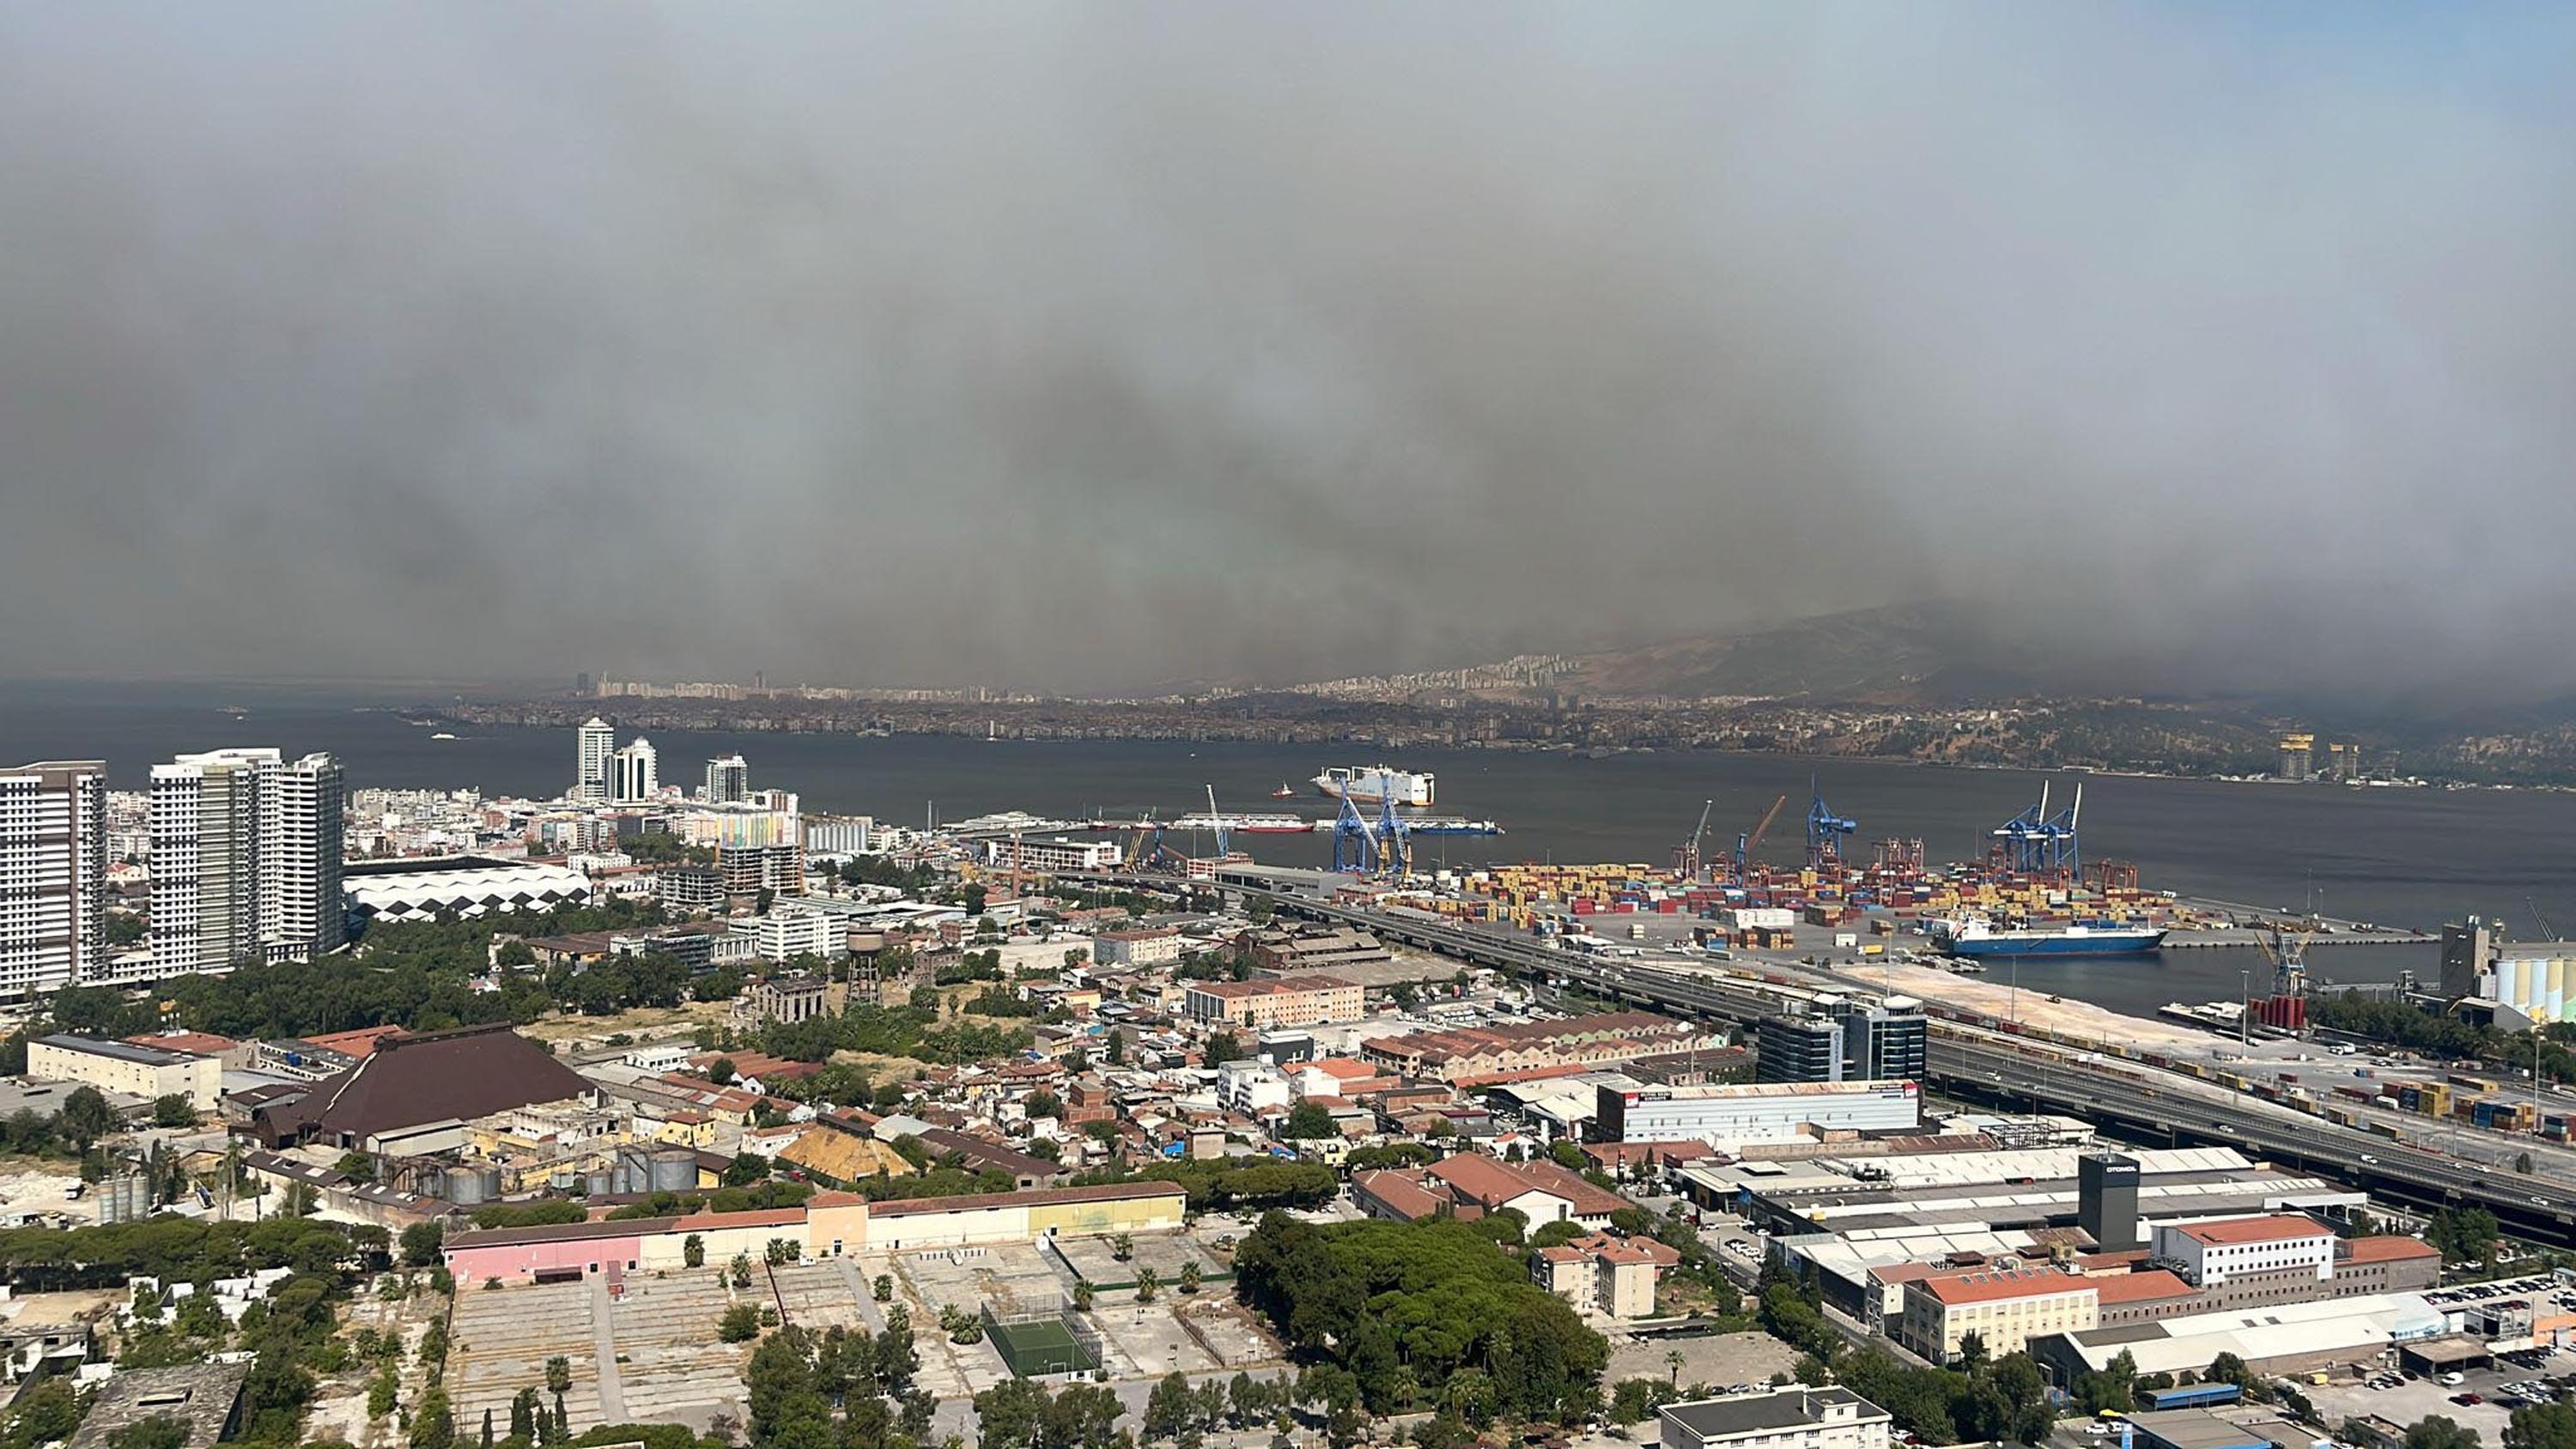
column 1908, row 652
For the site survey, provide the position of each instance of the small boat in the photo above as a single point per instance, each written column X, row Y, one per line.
column 442, row 735
column 1285, row 791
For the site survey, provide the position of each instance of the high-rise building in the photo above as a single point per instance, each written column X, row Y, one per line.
column 1798, row 1049
column 590, row 779
column 1889, row 1042
column 302, row 913
column 633, row 775
column 53, row 875
column 2106, row 1200
column 246, row 859
column 205, row 860
column 728, row 781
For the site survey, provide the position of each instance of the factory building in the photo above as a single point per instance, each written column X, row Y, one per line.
column 2215, row 1253
column 1757, row 1112
column 124, row 1067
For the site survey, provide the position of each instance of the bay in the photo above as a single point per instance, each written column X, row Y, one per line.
column 2404, row 857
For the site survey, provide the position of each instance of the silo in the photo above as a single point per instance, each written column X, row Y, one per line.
column 600, row 1183
column 2509, row 982
column 675, row 1169
column 490, row 1177
column 563, row 1179
column 634, row 1171
column 2557, row 989
column 464, row 1187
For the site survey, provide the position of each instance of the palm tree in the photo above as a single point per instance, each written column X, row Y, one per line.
column 1673, row 1361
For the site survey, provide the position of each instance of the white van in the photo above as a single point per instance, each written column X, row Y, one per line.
column 2454, row 1379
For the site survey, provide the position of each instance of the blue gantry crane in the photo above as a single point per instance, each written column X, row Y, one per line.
column 1371, row 847
column 1825, row 830
column 2038, row 843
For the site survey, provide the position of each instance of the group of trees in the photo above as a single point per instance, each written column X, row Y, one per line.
column 904, row 1031
column 1408, row 1308
column 1978, row 1398
column 839, row 1389
column 2464, row 1235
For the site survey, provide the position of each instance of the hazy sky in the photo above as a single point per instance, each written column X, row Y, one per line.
column 1100, row 345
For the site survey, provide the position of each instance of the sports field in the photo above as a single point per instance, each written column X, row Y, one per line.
column 1042, row 1347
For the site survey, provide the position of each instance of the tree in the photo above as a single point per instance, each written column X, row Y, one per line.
column 1122, row 1246
column 1117, row 1047
column 740, row 1324
column 158, row 1432
column 693, row 1251
column 433, row 1424
column 422, row 1243
column 1146, row 1284
column 882, row 1289
column 1168, row 1408
column 1223, row 1047
column 2227, row 1368
column 1043, row 1103
column 86, row 1118
column 1190, row 1277
column 173, row 1110
column 1308, row 1121
column 1008, row 1413
column 1673, row 1363
column 2439, row 1431
column 1973, row 1355
column 2541, row 1426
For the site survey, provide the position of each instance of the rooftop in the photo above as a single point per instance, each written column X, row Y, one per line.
column 2272, row 1228
column 1990, row 1285
column 1766, row 1413
column 1034, row 1197
column 120, row 1050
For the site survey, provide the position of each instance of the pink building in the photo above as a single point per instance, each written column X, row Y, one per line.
column 552, row 1253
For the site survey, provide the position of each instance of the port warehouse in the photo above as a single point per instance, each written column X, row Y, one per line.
column 828, row 1225
column 1754, row 1111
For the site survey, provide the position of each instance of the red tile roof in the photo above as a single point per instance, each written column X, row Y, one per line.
column 2276, row 1228
column 2135, row 1287
column 1992, row 1286
column 2384, row 1248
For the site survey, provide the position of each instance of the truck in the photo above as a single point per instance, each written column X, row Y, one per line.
column 2191, row 1396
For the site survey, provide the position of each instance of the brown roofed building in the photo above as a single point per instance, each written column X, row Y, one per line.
column 409, row 1081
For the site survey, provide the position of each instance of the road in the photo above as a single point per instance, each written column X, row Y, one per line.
column 1987, row 1064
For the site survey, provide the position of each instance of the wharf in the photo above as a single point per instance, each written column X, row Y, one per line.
column 2188, row 940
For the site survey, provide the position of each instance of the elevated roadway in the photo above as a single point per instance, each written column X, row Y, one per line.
column 2122, row 1096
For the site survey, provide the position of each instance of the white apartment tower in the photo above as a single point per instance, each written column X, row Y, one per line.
column 633, row 777
column 246, row 856
column 728, row 781
column 598, row 742
column 53, row 875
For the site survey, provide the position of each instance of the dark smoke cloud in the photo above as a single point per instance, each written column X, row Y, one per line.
column 1095, row 346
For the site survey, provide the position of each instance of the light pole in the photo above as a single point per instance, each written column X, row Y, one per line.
column 2245, row 1008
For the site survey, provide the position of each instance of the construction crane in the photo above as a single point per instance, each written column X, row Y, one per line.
column 1687, row 857
column 2288, row 954
column 1825, row 830
column 1745, row 841
column 1217, row 822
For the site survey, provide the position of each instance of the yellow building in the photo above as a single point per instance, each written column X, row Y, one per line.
column 2005, row 1308
column 1019, row 1217
column 135, row 1071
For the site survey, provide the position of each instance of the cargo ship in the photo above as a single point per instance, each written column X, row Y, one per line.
column 1973, row 936
column 1257, row 824
column 1376, row 785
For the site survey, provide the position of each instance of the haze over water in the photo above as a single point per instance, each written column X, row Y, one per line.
column 2412, row 857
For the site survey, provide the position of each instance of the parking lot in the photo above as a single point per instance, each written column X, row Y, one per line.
column 2483, row 1400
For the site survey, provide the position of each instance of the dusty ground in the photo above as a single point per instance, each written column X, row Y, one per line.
column 1719, row 1360
column 580, row 1033
column 1993, row 995
column 36, row 1185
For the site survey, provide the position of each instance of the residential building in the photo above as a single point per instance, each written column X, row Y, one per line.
column 728, row 780
column 1269, row 1004
column 838, row 834
column 1602, row 1274
column 1754, row 1112
column 246, row 859
column 2214, row 1252
column 202, row 1399
column 1786, row 1418
column 53, row 876
column 1471, row 1185
column 634, row 773
column 1052, row 857
column 784, row 935
column 747, row 870
column 1466, row 1056
column 136, row 1071
column 1156, row 947
column 689, row 888
column 1252, row 1088
column 590, row 777
column 1798, row 1049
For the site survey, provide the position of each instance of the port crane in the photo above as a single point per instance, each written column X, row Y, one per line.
column 1370, row 847
column 1745, row 841
column 1825, row 831
column 2038, row 843
column 2288, row 954
column 1687, row 857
